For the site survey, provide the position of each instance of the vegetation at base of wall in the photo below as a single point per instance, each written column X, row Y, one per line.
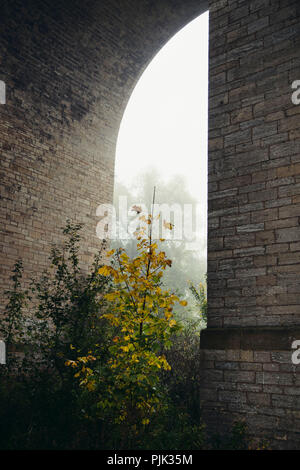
column 42, row 403
column 66, row 317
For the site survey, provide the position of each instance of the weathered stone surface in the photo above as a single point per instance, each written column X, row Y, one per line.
column 263, row 391
column 69, row 68
column 259, row 159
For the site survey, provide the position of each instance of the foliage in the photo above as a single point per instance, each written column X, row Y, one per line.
column 41, row 402
column 173, row 429
column 68, row 315
column 142, row 313
column 236, row 439
column 136, row 383
column 10, row 327
column 200, row 298
column 186, row 263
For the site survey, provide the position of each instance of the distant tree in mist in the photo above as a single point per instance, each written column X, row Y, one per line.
column 188, row 265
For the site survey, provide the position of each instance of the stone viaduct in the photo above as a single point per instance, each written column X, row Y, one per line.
column 69, row 67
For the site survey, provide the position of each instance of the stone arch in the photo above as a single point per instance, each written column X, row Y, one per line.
column 69, row 69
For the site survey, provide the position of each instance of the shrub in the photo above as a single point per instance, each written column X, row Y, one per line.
column 132, row 374
column 58, row 315
column 129, row 386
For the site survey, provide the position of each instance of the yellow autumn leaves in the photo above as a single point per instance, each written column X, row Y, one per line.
column 140, row 313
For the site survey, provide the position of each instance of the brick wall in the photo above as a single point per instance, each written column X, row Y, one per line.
column 254, row 155
column 69, row 68
column 253, row 219
column 258, row 387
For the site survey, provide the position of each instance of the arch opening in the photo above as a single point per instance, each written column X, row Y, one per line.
column 162, row 144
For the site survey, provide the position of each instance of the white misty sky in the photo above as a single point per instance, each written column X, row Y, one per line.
column 165, row 122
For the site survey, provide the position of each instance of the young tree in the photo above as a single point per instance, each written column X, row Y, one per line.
column 141, row 311
column 187, row 265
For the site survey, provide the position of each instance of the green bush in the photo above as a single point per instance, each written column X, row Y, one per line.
column 60, row 316
column 42, row 404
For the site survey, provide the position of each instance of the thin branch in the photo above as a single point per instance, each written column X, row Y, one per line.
column 150, row 253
